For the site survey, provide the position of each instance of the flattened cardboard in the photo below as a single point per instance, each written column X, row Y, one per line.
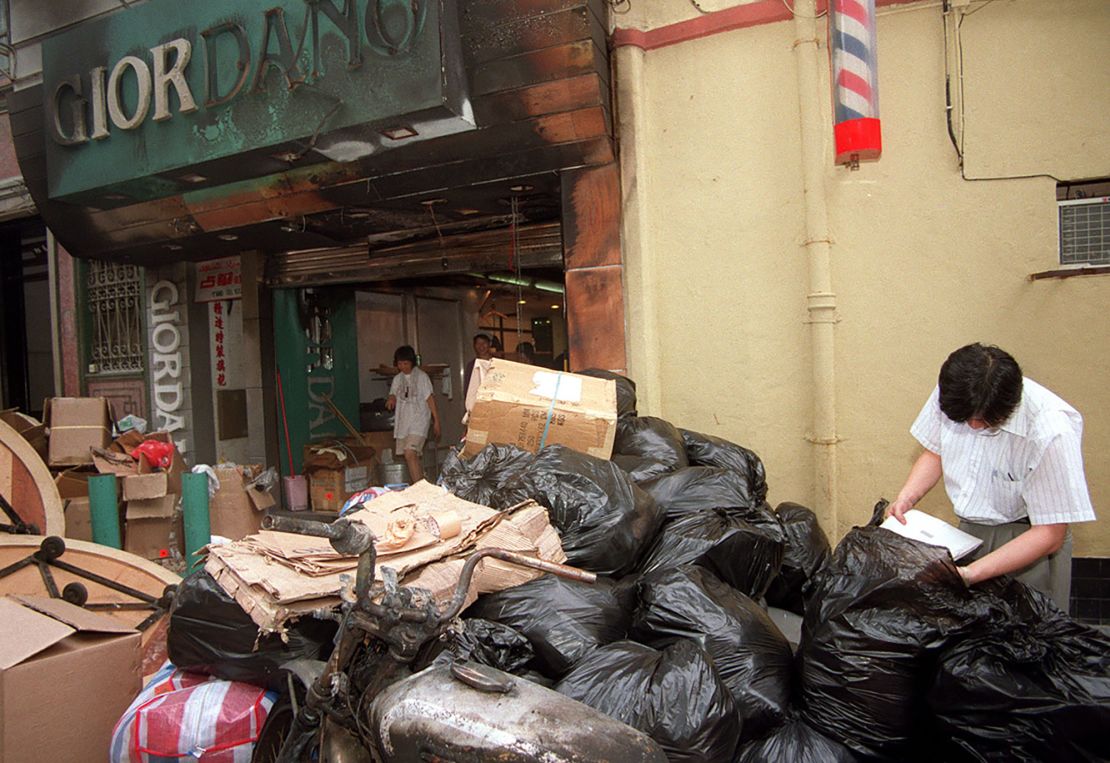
column 76, row 424
column 62, row 700
column 77, row 618
column 530, row 407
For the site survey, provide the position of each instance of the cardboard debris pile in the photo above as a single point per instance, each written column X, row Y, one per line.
column 337, row 469
column 424, row 534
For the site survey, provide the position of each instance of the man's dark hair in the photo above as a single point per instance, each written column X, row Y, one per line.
column 404, row 352
column 481, row 336
column 980, row 381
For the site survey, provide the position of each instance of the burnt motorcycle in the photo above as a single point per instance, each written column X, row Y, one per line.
column 365, row 704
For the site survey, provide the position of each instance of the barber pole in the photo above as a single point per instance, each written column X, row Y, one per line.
column 856, row 126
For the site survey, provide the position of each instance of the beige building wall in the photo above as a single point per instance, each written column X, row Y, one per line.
column 923, row 260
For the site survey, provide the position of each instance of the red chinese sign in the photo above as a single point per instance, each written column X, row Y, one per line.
column 219, row 279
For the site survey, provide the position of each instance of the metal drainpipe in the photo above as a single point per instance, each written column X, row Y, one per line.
column 820, row 301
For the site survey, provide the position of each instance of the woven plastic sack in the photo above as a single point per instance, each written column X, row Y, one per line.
column 183, row 715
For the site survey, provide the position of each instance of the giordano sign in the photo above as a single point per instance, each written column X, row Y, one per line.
column 153, row 100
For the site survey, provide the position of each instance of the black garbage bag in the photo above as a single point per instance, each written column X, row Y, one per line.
column 563, row 620
column 807, row 550
column 699, row 487
column 1031, row 685
column 739, row 553
column 751, row 655
column 879, row 613
column 482, row 479
column 640, row 469
column 650, row 437
column 707, row 450
column 210, row 633
column 626, row 389
column 795, row 742
column 487, row 643
column 604, row 520
column 673, row 695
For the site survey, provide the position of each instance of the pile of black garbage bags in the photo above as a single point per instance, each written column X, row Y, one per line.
column 898, row 660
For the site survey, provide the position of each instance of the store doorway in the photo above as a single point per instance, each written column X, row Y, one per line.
column 26, row 351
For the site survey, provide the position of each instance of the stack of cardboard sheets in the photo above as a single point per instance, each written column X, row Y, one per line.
column 423, row 533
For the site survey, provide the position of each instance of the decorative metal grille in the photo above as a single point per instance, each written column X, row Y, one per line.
column 1085, row 231
column 115, row 301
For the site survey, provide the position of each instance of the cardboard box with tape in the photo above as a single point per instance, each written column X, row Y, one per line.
column 76, row 424
column 530, row 407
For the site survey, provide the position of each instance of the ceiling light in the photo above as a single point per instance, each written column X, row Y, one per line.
column 115, row 197
column 193, row 177
column 555, row 307
column 522, row 302
column 173, row 247
column 522, row 188
column 432, row 202
column 399, row 133
column 227, row 237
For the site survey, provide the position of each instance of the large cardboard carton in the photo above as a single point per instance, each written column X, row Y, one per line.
column 237, row 508
column 337, row 469
column 73, row 487
column 530, row 407
column 66, row 676
column 153, row 527
column 76, row 424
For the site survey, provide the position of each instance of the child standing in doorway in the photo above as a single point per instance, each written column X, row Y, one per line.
column 412, row 397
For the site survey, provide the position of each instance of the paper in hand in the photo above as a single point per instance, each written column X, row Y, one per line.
column 936, row 532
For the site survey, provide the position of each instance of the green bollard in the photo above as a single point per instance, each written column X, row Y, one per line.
column 104, row 510
column 198, row 528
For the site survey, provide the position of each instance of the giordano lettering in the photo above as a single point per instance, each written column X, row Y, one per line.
column 94, row 101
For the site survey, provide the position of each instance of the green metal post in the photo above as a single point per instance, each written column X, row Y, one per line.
column 104, row 510
column 198, row 529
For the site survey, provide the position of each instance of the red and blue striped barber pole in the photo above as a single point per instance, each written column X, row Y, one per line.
column 855, row 77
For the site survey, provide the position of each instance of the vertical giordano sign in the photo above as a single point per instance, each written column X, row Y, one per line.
column 155, row 99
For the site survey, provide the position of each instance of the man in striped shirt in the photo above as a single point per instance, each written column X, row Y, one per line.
column 1009, row 451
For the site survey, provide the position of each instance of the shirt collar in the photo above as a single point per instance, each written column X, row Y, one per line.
column 1018, row 423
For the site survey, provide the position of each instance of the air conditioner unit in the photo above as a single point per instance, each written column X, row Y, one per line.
column 1085, row 231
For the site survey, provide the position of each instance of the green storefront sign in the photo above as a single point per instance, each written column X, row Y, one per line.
column 170, row 96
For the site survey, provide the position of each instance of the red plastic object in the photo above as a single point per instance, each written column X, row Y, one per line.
column 155, row 452
column 858, row 139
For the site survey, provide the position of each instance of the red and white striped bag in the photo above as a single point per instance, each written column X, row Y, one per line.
column 192, row 716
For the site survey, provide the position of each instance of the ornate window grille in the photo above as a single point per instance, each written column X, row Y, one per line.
column 115, row 301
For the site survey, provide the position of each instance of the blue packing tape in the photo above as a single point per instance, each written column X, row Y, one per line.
column 551, row 410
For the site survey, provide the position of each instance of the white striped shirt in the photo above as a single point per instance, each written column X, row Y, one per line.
column 1031, row 466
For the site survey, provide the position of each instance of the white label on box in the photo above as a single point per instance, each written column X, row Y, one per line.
column 355, row 478
column 557, row 386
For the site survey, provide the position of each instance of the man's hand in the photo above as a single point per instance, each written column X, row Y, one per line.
column 391, row 403
column 968, row 575
column 898, row 509
column 435, row 430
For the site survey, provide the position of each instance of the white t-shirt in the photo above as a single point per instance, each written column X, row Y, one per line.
column 412, row 415
column 1031, row 466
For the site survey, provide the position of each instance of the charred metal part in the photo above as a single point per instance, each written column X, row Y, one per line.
column 481, row 677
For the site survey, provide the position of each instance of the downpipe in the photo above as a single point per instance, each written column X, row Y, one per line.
column 820, row 299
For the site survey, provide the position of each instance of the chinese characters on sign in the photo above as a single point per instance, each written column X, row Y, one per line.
column 218, row 344
column 219, row 279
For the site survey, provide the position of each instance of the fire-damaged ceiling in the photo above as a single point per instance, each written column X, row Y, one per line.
column 536, row 81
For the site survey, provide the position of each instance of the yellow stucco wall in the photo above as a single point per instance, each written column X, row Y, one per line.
column 923, row 260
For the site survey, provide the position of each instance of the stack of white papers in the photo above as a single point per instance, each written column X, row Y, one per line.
column 936, row 532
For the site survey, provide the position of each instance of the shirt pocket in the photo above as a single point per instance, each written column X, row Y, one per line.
column 1006, row 492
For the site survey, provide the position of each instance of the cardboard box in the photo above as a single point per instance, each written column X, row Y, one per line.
column 329, row 489
column 153, row 527
column 74, row 483
column 530, row 407
column 66, row 676
column 236, row 510
column 29, row 428
column 143, row 487
column 76, row 424
column 78, row 519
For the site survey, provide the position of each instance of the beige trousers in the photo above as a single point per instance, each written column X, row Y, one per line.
column 1050, row 575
